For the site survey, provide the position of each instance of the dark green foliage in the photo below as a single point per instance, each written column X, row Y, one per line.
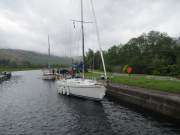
column 4, row 62
column 89, row 58
column 108, row 68
column 156, row 65
column 14, row 64
column 151, row 53
column 97, row 60
column 111, row 56
column 117, row 69
column 178, row 64
column 138, row 65
column 174, row 73
column 26, row 65
column 171, row 58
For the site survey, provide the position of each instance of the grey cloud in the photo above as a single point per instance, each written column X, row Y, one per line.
column 25, row 24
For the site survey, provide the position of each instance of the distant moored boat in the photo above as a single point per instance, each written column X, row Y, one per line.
column 48, row 74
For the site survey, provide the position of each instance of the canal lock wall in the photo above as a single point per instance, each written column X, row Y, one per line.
column 165, row 104
column 5, row 76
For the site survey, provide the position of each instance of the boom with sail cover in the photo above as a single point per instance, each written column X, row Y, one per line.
column 79, row 66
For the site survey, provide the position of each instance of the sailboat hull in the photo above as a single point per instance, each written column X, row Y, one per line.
column 49, row 76
column 91, row 91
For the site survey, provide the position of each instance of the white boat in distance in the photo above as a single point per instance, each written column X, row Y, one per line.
column 82, row 87
column 47, row 74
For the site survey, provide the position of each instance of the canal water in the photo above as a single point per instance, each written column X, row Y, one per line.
column 30, row 105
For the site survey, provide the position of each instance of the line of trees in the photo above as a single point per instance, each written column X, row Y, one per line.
column 7, row 64
column 153, row 53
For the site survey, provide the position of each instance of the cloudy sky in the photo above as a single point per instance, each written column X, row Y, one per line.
column 26, row 24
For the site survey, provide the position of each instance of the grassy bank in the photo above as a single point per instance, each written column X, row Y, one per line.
column 133, row 74
column 170, row 86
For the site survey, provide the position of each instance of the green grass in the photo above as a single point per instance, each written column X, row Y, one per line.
column 133, row 74
column 170, row 86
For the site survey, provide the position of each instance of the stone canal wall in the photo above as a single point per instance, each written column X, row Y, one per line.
column 5, row 76
column 162, row 103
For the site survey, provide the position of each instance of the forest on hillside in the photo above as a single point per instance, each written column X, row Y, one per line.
column 21, row 56
column 7, row 64
column 152, row 53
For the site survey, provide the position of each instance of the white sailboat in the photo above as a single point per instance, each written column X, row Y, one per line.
column 82, row 87
column 47, row 74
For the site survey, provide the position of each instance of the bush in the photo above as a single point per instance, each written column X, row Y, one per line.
column 108, row 68
column 148, row 70
column 173, row 73
column 178, row 76
column 125, row 68
column 118, row 69
column 156, row 64
column 172, row 68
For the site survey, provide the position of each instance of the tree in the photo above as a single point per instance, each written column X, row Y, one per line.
column 111, row 57
column 97, row 60
column 40, row 66
column 157, row 66
column 171, row 57
column 178, row 65
column 14, row 64
column 47, row 65
column 138, row 65
column 27, row 64
column 90, row 58
column 4, row 62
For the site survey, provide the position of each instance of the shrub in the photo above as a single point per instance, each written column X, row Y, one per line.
column 108, row 68
column 118, row 69
column 156, row 64
column 125, row 69
column 173, row 73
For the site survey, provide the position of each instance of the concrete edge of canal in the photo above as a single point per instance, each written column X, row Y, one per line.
column 162, row 103
column 5, row 75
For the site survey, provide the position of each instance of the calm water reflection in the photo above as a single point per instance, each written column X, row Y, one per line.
column 30, row 105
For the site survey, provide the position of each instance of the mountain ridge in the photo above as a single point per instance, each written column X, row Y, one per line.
column 21, row 56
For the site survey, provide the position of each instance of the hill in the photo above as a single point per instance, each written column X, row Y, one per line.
column 35, row 58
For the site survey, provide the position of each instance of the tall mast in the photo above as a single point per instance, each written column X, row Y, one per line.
column 82, row 38
column 99, row 41
column 49, row 55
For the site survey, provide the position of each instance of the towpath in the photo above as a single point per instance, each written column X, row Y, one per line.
column 146, row 77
